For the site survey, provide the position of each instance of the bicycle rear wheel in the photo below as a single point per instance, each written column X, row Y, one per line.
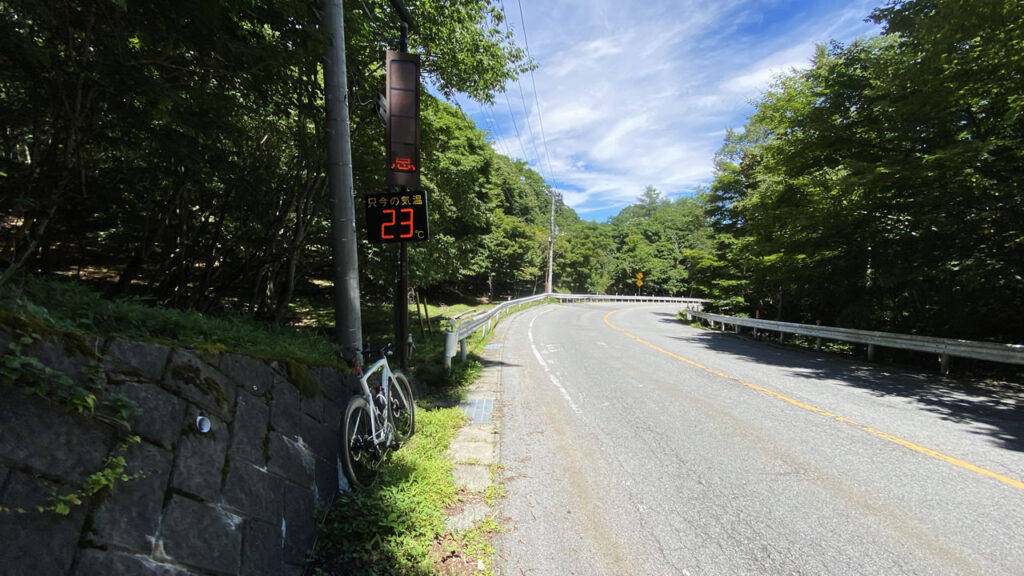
column 403, row 408
column 359, row 457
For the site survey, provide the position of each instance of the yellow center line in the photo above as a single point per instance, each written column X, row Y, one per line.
column 816, row 410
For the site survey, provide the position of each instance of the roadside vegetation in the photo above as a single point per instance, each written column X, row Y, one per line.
column 183, row 199
column 397, row 527
column 877, row 189
column 392, row 527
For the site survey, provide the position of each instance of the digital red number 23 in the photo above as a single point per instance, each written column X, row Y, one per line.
column 406, row 221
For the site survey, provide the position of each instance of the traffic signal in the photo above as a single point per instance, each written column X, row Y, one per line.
column 403, row 119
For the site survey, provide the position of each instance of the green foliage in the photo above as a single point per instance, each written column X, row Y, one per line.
column 493, row 493
column 880, row 188
column 390, row 529
column 476, row 542
column 661, row 239
column 64, row 306
column 877, row 189
column 586, row 260
column 515, row 256
column 465, row 50
column 465, row 373
column 302, row 380
column 20, row 369
column 457, row 166
column 112, row 472
column 192, row 167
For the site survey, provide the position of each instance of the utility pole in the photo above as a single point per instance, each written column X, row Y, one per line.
column 347, row 314
column 551, row 247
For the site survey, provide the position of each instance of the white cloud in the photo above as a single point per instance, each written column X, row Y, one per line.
column 640, row 93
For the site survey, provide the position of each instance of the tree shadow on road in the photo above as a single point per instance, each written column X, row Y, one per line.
column 994, row 409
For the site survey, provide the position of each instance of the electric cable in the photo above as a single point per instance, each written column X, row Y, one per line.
column 514, row 125
column 540, row 117
column 492, row 126
column 522, row 99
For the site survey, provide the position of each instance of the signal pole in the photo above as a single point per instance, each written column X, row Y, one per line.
column 402, row 299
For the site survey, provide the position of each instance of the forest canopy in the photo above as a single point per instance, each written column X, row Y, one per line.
column 883, row 186
column 176, row 150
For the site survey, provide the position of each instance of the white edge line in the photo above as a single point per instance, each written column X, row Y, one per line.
column 551, row 376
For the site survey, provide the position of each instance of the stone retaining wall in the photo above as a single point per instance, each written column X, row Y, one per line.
column 239, row 499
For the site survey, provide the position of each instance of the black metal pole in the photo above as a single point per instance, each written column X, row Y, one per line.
column 403, row 14
column 403, row 258
column 403, row 321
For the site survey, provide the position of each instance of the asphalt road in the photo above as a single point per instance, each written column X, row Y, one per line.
column 633, row 444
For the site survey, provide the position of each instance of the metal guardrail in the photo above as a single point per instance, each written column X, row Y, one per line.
column 695, row 303
column 944, row 347
column 455, row 340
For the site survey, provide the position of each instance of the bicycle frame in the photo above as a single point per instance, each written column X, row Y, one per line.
column 378, row 418
column 380, row 431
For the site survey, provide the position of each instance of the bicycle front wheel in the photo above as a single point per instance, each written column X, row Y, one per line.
column 403, row 407
column 359, row 457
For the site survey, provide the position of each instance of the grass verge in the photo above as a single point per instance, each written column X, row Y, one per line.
column 391, row 528
column 51, row 305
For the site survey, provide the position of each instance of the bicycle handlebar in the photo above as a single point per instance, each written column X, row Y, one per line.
column 385, row 351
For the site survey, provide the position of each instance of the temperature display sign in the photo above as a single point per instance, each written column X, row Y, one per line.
column 397, row 217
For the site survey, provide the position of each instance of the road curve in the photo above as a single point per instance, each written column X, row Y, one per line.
column 632, row 444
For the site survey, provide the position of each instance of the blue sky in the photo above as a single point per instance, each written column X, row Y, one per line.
column 634, row 93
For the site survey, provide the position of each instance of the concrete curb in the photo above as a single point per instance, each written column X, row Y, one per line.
column 476, row 448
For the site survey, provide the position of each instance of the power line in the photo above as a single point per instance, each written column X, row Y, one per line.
column 540, row 117
column 529, row 125
column 522, row 96
column 490, row 128
column 522, row 99
column 514, row 125
column 492, row 123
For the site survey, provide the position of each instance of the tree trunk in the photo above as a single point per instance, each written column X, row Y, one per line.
column 139, row 256
column 284, row 294
column 25, row 250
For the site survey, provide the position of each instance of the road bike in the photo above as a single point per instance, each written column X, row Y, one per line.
column 379, row 419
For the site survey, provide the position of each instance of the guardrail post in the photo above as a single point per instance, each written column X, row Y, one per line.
column 944, row 365
column 450, row 343
column 871, row 352
column 462, row 348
